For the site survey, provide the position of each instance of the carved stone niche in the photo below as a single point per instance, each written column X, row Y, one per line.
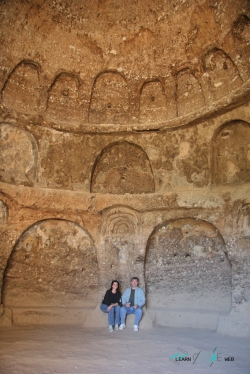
column 21, row 91
column 231, row 154
column 241, row 44
column 53, row 265
column 63, row 98
column 120, row 245
column 244, row 220
column 122, row 168
column 18, row 156
column 187, row 274
column 189, row 93
column 153, row 102
column 109, row 101
column 221, row 76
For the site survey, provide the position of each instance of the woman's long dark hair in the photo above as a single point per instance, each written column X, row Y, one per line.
column 115, row 281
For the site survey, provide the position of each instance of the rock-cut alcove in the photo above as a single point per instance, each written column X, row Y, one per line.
column 153, row 102
column 187, row 274
column 18, row 155
column 122, row 168
column 120, row 243
column 118, row 120
column 109, row 102
column 52, row 266
column 21, row 90
column 63, row 98
column 231, row 154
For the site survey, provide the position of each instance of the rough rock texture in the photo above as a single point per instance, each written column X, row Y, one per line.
column 5, row 316
column 187, row 268
column 125, row 150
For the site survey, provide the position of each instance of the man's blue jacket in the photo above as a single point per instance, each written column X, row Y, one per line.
column 139, row 296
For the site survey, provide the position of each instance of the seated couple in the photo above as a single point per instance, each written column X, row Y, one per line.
column 132, row 302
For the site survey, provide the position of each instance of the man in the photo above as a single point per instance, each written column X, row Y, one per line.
column 133, row 300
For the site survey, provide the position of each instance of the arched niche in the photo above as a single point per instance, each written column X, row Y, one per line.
column 241, row 28
column 203, row 27
column 240, row 39
column 122, row 168
column 187, row 274
column 63, row 98
column 153, row 102
column 109, row 101
column 220, row 76
column 53, row 264
column 21, row 91
column 231, row 154
column 120, row 234
column 244, row 220
column 189, row 93
column 18, row 156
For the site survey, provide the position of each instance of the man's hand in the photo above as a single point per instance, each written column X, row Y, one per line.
column 135, row 306
column 127, row 305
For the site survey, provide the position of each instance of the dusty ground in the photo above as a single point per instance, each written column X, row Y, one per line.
column 57, row 349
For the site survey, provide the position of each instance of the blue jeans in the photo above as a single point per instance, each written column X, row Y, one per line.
column 114, row 314
column 131, row 310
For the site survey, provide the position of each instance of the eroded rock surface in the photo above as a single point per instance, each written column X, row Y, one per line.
column 125, row 150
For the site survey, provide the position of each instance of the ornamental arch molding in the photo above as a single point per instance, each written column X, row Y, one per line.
column 121, row 250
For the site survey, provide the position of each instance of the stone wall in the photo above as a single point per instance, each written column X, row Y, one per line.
column 125, row 150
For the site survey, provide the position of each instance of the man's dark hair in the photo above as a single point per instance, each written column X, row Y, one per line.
column 135, row 278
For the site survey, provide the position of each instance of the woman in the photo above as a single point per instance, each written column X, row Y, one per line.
column 111, row 305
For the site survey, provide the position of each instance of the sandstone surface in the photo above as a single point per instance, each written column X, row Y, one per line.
column 125, row 150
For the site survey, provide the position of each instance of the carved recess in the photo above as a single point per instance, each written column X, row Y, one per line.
column 3, row 213
column 120, row 250
column 189, row 93
column 244, row 220
column 241, row 41
column 238, row 218
column 63, row 100
column 153, row 102
column 186, row 267
column 53, row 264
column 122, row 168
column 231, row 154
column 22, row 89
column 18, row 156
column 241, row 28
column 203, row 29
column 109, row 102
column 161, row 99
column 221, row 75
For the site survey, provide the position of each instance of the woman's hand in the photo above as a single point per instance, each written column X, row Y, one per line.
column 111, row 305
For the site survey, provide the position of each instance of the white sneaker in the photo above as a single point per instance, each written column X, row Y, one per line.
column 110, row 328
column 122, row 326
column 116, row 327
column 136, row 328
